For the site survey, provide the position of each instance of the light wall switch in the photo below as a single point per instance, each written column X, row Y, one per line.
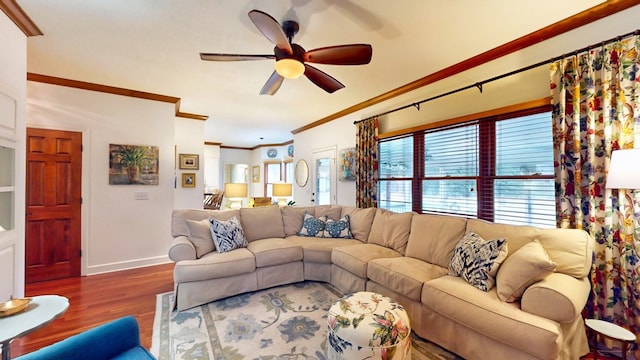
column 141, row 195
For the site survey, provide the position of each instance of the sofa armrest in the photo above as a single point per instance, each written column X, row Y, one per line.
column 182, row 249
column 558, row 297
column 104, row 342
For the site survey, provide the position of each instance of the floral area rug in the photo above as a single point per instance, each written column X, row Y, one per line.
column 285, row 322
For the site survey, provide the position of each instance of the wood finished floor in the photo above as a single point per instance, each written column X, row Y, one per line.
column 97, row 299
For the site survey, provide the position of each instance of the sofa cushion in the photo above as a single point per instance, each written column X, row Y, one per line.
column 200, row 236
column 227, row 235
column 477, row 260
column 312, row 226
column 360, row 221
column 403, row 275
column 292, row 218
column 215, row 265
column 354, row 258
column 274, row 251
column 570, row 249
column 484, row 313
column 330, row 211
column 262, row 222
column 391, row 230
column 337, row 228
column 179, row 218
column 318, row 250
column 433, row 237
column 516, row 235
column 526, row 266
column 137, row 353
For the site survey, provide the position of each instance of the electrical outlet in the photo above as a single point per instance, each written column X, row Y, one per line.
column 141, row 195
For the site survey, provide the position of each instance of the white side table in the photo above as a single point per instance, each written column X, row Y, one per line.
column 611, row 331
column 41, row 311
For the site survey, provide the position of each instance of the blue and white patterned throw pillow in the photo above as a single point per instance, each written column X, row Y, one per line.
column 227, row 235
column 337, row 228
column 477, row 260
column 312, row 226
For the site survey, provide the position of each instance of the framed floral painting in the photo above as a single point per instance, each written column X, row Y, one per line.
column 347, row 171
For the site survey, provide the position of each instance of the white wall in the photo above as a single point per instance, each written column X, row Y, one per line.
column 532, row 85
column 339, row 134
column 13, row 67
column 235, row 156
column 212, row 168
column 258, row 158
column 118, row 231
column 189, row 139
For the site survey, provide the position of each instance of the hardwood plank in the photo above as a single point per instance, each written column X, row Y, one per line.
column 96, row 299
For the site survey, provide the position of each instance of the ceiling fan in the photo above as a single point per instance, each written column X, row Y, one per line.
column 291, row 59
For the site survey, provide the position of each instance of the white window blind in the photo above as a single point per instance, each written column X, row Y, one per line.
column 524, row 190
column 450, row 171
column 499, row 169
column 395, row 173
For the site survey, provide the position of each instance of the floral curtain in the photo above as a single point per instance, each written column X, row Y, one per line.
column 596, row 110
column 367, row 163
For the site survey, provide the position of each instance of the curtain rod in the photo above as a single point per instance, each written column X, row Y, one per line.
column 481, row 83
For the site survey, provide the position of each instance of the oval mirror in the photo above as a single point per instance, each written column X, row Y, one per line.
column 302, row 173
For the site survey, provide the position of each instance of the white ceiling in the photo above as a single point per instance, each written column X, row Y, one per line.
column 154, row 46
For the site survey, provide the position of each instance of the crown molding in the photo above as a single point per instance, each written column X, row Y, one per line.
column 19, row 17
column 585, row 17
column 114, row 90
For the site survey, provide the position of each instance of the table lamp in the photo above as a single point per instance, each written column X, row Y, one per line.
column 235, row 192
column 624, row 169
column 281, row 192
column 624, row 172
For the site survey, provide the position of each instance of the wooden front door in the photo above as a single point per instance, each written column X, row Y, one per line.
column 53, row 202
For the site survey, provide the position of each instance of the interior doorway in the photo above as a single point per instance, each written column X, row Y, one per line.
column 324, row 176
column 53, row 204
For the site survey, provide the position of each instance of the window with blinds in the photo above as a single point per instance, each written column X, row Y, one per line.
column 498, row 169
column 523, row 186
column 451, row 171
column 395, row 174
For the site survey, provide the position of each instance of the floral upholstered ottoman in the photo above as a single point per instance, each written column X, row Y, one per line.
column 366, row 325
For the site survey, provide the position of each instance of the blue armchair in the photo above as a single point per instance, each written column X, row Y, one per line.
column 119, row 339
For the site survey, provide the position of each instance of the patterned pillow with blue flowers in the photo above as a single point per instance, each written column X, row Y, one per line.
column 477, row 260
column 312, row 226
column 337, row 228
column 227, row 235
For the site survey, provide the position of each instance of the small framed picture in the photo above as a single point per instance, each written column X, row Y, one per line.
column 189, row 161
column 255, row 174
column 188, row 180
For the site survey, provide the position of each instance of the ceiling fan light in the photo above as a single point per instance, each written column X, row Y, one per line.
column 289, row 68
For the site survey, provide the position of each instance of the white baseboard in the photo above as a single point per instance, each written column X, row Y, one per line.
column 126, row 265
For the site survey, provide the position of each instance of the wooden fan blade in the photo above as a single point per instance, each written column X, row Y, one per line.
column 272, row 85
column 271, row 29
column 322, row 79
column 353, row 54
column 233, row 57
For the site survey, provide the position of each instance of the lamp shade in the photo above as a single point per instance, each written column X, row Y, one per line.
column 235, row 190
column 289, row 68
column 281, row 190
column 624, row 169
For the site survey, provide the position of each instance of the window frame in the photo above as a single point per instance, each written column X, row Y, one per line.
column 486, row 176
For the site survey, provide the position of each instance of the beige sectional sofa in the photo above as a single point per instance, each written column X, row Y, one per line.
column 405, row 256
